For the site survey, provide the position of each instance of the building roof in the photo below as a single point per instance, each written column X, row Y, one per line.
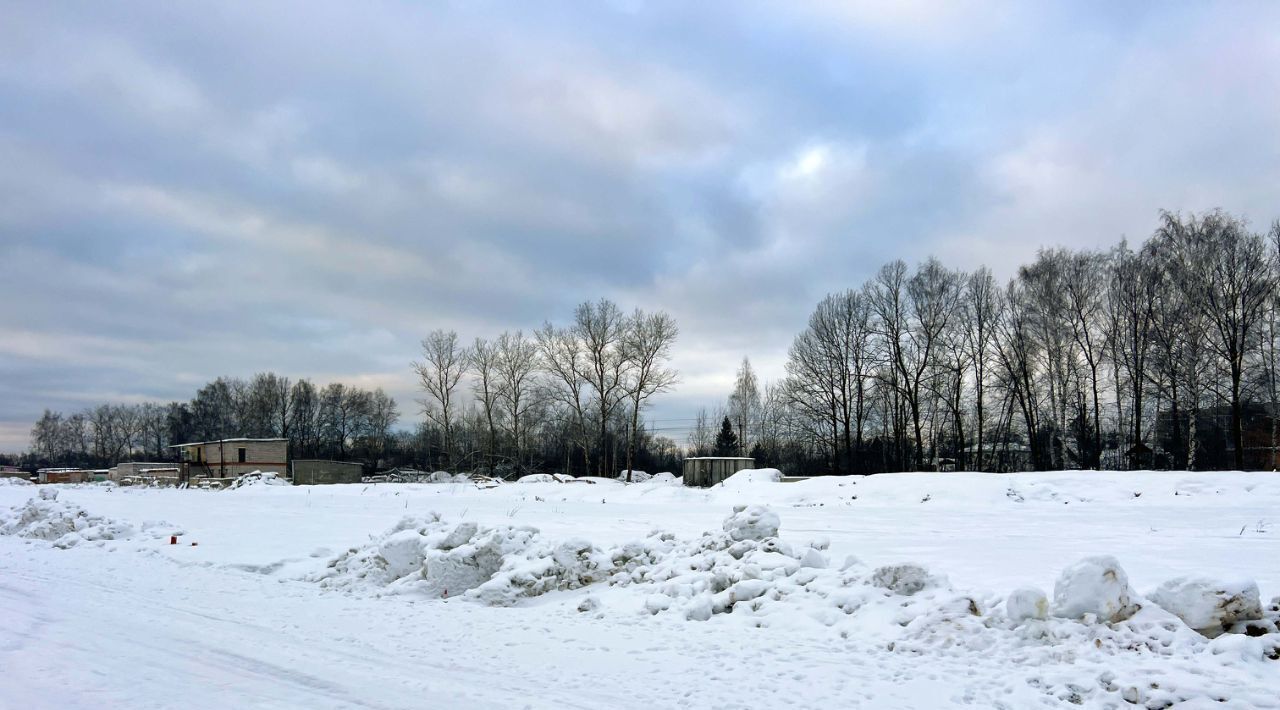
column 221, row 441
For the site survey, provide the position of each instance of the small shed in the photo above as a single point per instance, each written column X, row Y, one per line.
column 63, row 475
column 709, row 470
column 314, row 472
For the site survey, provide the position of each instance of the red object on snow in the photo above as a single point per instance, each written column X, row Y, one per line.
column 173, row 539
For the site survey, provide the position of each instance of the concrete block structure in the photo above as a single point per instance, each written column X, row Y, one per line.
column 228, row 458
column 709, row 470
column 314, row 472
column 139, row 468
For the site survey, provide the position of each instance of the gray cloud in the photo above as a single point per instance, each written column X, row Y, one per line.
column 191, row 191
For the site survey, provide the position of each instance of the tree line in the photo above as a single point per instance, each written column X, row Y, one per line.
column 334, row 421
column 1164, row 355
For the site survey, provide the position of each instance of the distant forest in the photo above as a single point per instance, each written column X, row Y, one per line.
column 1164, row 355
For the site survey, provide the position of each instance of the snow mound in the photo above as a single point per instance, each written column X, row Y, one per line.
column 664, row 478
column 749, row 476
column 11, row 481
column 258, row 478
column 62, row 523
column 636, row 476
column 1094, row 586
column 755, row 522
column 1210, row 607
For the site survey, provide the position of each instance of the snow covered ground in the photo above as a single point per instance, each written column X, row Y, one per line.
column 884, row 592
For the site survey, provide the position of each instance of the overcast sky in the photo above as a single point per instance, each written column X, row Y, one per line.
column 190, row 190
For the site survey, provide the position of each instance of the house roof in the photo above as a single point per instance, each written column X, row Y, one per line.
column 221, row 441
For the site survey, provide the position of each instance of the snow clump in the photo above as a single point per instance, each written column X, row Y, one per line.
column 755, row 522
column 12, row 481
column 1208, row 606
column 1026, row 603
column 1096, row 586
column 904, row 579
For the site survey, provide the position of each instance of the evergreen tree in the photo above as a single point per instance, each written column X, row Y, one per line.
column 726, row 440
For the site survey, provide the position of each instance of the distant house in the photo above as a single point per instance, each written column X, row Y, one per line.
column 12, row 472
column 228, row 458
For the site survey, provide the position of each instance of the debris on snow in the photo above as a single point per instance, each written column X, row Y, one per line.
column 258, row 478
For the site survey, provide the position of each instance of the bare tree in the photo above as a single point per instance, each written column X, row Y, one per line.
column 701, row 436
column 444, row 363
column 744, row 404
column 565, row 362
column 484, row 364
column 1084, row 284
column 982, row 310
column 600, row 327
column 1134, row 284
column 828, row 366
column 1232, row 293
column 912, row 314
column 518, row 365
column 646, row 345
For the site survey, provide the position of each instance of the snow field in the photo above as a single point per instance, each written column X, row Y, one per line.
column 783, row 570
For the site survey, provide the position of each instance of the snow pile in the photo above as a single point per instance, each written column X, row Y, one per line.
column 1207, row 606
column 665, row 478
column 749, row 476
column 744, row 573
column 258, row 478
column 495, row 565
column 64, row 524
column 11, row 481
column 636, row 476
column 1094, row 586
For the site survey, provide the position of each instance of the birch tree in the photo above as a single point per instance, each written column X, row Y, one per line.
column 646, row 346
column 443, row 364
